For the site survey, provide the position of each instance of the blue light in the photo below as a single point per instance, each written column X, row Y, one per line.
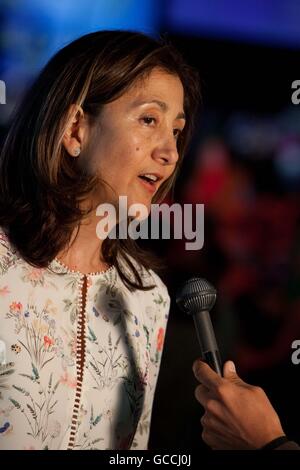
column 267, row 21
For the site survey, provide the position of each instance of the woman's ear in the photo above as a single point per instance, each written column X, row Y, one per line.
column 75, row 131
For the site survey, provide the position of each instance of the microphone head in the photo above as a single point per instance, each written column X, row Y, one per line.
column 196, row 295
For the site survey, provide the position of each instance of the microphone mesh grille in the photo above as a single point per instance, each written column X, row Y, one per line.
column 196, row 295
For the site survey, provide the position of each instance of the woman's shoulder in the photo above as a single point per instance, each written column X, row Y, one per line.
column 148, row 276
column 158, row 282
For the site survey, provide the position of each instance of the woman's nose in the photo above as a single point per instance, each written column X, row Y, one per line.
column 166, row 152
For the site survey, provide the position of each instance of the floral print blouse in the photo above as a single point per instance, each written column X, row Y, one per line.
column 79, row 356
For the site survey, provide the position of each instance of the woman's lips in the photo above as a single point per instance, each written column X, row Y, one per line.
column 150, row 186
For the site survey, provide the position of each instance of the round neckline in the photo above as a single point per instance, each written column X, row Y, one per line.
column 74, row 271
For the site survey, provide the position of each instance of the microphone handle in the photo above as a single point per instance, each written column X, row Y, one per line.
column 213, row 359
column 207, row 340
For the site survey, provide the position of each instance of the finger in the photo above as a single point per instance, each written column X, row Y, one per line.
column 206, row 375
column 217, row 435
column 229, row 372
column 202, row 394
column 211, row 406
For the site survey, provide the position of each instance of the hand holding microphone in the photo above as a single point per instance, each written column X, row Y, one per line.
column 237, row 415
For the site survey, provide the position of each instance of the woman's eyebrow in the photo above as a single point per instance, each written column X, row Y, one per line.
column 161, row 104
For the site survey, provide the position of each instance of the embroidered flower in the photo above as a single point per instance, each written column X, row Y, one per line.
column 48, row 341
column 160, row 339
column 39, row 327
column 34, row 275
column 67, row 380
column 15, row 307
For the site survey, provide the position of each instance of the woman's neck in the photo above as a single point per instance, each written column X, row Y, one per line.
column 84, row 251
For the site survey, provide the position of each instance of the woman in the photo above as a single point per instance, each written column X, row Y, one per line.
column 83, row 319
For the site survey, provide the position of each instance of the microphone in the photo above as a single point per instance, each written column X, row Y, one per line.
column 197, row 297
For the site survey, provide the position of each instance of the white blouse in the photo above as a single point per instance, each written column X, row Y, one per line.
column 79, row 356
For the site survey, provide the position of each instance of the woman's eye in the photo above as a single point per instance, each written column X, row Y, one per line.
column 148, row 120
column 176, row 133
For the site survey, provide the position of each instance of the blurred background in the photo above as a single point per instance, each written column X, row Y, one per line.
column 243, row 164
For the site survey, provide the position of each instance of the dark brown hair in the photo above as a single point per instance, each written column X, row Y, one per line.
column 41, row 187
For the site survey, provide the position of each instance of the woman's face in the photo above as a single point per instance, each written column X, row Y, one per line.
column 134, row 148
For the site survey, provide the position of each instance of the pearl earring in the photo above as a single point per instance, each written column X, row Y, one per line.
column 76, row 152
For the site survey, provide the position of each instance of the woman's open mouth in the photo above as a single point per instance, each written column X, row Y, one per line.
column 150, row 181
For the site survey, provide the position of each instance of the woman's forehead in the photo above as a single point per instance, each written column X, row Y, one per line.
column 156, row 79
column 159, row 87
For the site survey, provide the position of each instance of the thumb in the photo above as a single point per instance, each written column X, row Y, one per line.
column 229, row 371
